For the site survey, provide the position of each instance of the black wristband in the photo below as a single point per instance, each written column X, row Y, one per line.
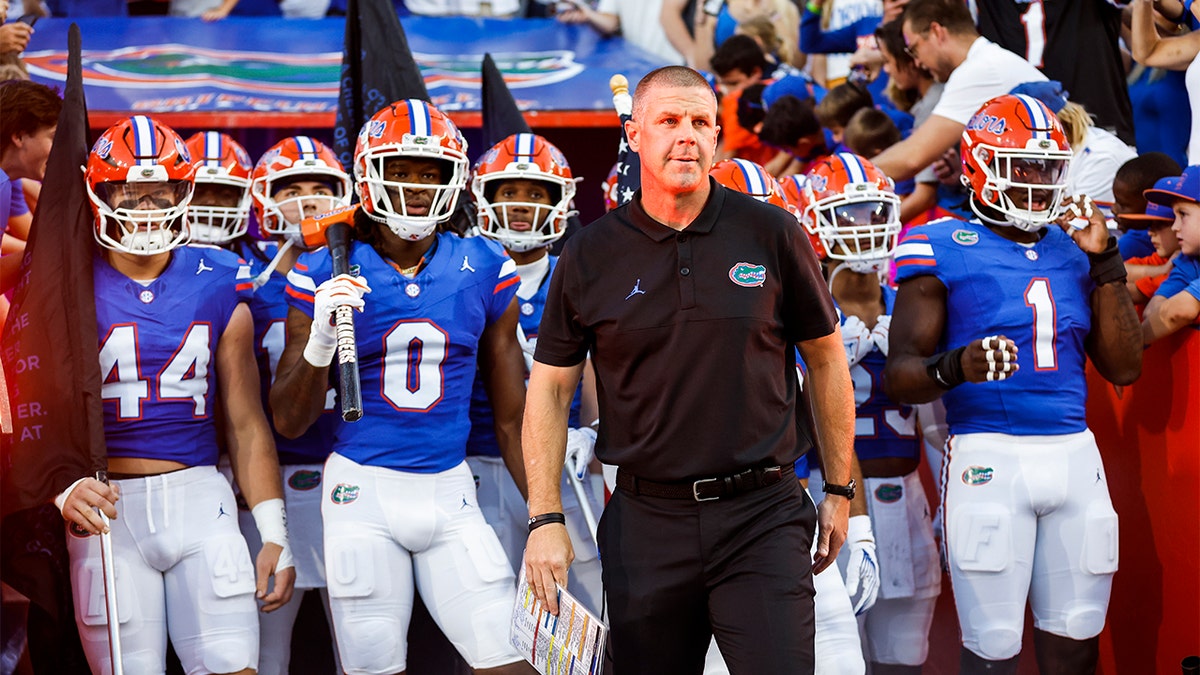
column 946, row 368
column 1107, row 266
column 545, row 519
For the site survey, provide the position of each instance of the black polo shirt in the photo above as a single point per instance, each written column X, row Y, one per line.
column 690, row 333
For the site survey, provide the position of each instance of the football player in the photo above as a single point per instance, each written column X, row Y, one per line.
column 998, row 316
column 297, row 177
column 523, row 189
column 220, row 209
column 175, row 354
column 399, row 502
column 851, row 207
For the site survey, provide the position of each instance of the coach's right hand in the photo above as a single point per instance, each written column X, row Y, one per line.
column 548, row 554
column 990, row 359
column 79, row 502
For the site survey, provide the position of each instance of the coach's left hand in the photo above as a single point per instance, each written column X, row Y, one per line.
column 548, row 554
column 285, row 579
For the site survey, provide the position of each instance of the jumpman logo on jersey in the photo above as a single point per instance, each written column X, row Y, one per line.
column 203, row 267
column 636, row 290
column 221, row 510
column 465, row 504
column 466, row 266
column 1098, row 478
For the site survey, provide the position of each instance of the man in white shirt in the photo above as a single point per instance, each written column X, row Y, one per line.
column 941, row 36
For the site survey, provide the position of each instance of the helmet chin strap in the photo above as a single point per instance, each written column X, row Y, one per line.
column 1024, row 225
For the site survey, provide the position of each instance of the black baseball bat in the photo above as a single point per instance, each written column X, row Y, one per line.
column 337, row 238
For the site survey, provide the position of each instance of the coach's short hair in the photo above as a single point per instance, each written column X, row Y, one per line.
column 25, row 108
column 667, row 76
column 953, row 15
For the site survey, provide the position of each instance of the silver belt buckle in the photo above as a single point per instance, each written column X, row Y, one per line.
column 696, row 490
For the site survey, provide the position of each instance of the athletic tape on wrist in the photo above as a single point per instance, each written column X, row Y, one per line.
column 270, row 517
column 859, row 529
column 321, row 346
column 61, row 500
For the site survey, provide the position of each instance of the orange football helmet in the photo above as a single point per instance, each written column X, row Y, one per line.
column 1015, row 158
column 415, row 130
column 609, row 187
column 749, row 178
column 793, row 192
column 139, row 163
column 527, row 157
column 852, row 207
column 292, row 160
column 223, row 165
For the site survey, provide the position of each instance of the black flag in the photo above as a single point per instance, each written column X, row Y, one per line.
column 377, row 69
column 501, row 116
column 52, row 367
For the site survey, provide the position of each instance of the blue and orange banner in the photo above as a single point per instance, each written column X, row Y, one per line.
column 271, row 65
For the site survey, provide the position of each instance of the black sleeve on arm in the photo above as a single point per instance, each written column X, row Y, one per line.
column 808, row 311
column 562, row 339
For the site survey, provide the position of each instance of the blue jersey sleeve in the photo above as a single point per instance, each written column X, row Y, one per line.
column 915, row 256
column 303, row 279
column 1183, row 277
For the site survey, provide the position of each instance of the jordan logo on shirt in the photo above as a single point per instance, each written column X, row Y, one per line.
column 221, row 510
column 466, row 266
column 636, row 290
column 465, row 503
column 203, row 267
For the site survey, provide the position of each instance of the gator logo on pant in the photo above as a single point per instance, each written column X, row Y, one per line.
column 889, row 493
column 304, row 480
column 977, row 475
column 343, row 493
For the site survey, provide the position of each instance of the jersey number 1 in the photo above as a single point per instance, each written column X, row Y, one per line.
column 1045, row 337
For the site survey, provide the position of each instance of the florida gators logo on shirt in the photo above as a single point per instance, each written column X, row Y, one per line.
column 748, row 274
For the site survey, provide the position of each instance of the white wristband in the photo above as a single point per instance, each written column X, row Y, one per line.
column 320, row 348
column 859, row 529
column 270, row 518
column 61, row 499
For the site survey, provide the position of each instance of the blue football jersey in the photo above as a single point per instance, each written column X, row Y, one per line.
column 158, row 346
column 482, row 440
column 882, row 427
column 417, row 343
column 270, row 308
column 1037, row 296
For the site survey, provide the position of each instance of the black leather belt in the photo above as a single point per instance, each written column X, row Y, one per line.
column 705, row 489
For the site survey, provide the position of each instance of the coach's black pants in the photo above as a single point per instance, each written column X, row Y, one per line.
column 678, row 571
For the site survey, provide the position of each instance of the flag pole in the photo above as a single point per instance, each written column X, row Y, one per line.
column 110, row 588
column 622, row 101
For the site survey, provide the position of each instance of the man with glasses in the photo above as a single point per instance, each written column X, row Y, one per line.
column 941, row 37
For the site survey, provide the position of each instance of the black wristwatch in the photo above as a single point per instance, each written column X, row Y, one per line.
column 846, row 491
